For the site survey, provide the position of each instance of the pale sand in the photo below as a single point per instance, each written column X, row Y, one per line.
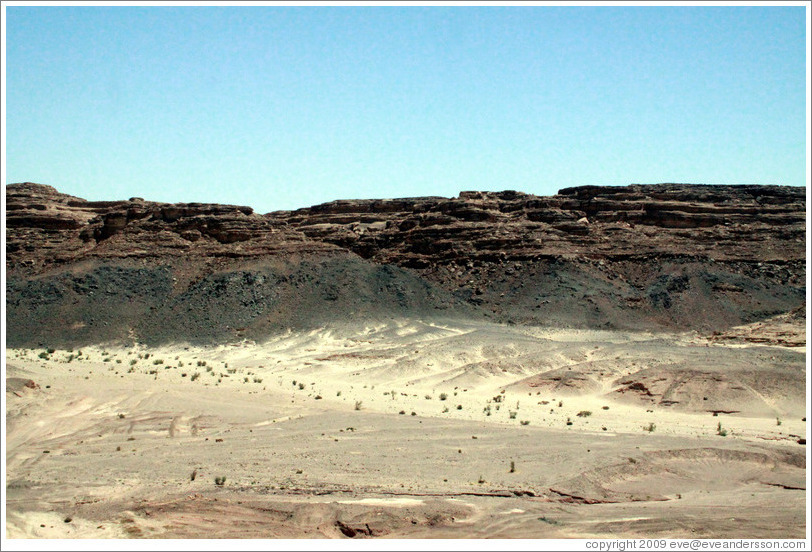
column 337, row 458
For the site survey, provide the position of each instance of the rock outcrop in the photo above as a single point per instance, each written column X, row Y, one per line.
column 667, row 256
column 47, row 229
column 766, row 223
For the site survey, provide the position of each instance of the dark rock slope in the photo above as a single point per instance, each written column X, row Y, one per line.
column 642, row 257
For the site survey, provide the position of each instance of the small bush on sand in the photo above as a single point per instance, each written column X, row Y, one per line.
column 443, row 396
column 584, row 413
column 650, row 427
column 219, row 481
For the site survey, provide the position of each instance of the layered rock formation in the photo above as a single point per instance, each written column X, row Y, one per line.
column 714, row 222
column 667, row 256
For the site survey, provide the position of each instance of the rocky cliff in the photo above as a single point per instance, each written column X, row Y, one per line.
column 667, row 256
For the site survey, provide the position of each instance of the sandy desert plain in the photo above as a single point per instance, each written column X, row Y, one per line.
column 410, row 429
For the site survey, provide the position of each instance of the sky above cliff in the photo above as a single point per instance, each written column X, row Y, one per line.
column 284, row 107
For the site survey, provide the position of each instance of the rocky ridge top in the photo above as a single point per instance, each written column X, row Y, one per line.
column 765, row 223
column 716, row 222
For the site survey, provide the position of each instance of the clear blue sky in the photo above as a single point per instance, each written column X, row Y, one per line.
column 285, row 107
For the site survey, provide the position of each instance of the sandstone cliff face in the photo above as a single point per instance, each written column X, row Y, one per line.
column 637, row 257
column 765, row 223
column 47, row 229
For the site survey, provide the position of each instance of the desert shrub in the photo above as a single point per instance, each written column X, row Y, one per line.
column 301, row 386
column 512, row 414
column 584, row 413
column 44, row 355
column 443, row 396
column 358, row 405
column 650, row 427
column 525, row 422
column 512, row 466
column 195, row 376
column 257, row 380
column 51, row 351
column 157, row 361
column 402, row 412
column 219, row 481
column 459, row 407
column 338, row 393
